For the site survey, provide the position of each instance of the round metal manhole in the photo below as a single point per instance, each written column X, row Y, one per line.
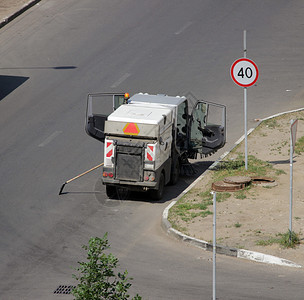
column 263, row 181
column 238, row 180
column 221, row 186
column 231, row 184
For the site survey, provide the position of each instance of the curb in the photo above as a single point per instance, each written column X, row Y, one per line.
column 18, row 13
column 238, row 253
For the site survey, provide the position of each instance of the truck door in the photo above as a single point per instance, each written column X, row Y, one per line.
column 208, row 127
column 99, row 106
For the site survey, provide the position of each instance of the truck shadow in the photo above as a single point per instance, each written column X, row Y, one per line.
column 185, row 180
column 170, row 193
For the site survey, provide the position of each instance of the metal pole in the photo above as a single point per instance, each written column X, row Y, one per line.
column 214, row 247
column 245, row 47
column 245, row 108
column 291, row 180
column 245, row 126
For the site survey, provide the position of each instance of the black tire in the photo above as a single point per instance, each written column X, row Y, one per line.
column 158, row 193
column 175, row 172
column 111, row 191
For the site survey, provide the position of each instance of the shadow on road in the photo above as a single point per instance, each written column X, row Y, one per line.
column 171, row 191
column 9, row 83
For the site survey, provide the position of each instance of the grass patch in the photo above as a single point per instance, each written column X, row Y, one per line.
column 187, row 209
column 271, row 123
column 279, row 172
column 286, row 240
column 241, row 195
column 299, row 147
column 196, row 202
column 236, row 167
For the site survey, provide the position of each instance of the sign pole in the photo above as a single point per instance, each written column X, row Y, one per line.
column 214, row 247
column 245, row 46
column 244, row 72
column 291, row 179
column 245, row 108
column 293, row 133
column 245, row 126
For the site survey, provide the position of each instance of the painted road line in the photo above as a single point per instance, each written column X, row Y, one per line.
column 120, row 80
column 181, row 30
column 50, row 138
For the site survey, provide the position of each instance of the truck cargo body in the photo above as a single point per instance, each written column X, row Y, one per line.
column 137, row 147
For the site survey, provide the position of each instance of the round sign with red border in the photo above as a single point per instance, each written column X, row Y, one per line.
column 244, row 72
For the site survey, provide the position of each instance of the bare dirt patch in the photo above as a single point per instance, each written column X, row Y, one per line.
column 258, row 214
column 9, row 7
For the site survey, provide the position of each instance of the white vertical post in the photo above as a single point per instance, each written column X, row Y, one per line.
column 245, row 109
column 214, row 248
column 245, row 46
column 291, row 180
column 245, row 126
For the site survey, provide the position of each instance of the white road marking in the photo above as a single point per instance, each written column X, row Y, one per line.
column 183, row 28
column 50, row 138
column 120, row 80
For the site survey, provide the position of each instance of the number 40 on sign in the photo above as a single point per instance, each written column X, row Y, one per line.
column 244, row 72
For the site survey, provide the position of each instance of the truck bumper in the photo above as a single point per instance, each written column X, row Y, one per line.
column 138, row 185
column 132, row 185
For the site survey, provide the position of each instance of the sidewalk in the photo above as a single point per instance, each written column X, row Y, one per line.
column 10, row 9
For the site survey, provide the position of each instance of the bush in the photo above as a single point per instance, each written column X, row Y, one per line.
column 289, row 239
column 97, row 279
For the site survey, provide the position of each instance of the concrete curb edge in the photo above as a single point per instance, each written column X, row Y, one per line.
column 238, row 253
column 18, row 13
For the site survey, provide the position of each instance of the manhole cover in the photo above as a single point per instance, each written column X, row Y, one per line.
column 238, row 179
column 221, row 186
column 64, row 289
column 264, row 181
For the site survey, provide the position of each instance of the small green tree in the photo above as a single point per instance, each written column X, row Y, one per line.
column 97, row 279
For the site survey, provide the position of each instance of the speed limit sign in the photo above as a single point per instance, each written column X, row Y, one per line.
column 244, row 72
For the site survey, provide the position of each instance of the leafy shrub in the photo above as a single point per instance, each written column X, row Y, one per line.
column 97, row 279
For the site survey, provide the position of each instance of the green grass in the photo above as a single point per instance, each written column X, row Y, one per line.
column 187, row 210
column 271, row 123
column 241, row 195
column 196, row 204
column 237, row 225
column 299, row 147
column 286, row 240
column 236, row 167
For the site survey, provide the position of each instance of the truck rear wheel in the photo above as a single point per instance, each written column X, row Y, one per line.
column 158, row 194
column 111, row 191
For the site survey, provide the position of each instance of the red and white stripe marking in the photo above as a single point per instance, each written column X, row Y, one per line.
column 150, row 152
column 109, row 149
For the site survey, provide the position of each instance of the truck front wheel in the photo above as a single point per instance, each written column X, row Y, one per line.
column 158, row 194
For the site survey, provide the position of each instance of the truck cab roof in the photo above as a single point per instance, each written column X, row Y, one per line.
column 147, row 109
column 159, row 99
column 141, row 114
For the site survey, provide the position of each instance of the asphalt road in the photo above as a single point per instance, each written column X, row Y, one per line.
column 51, row 57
